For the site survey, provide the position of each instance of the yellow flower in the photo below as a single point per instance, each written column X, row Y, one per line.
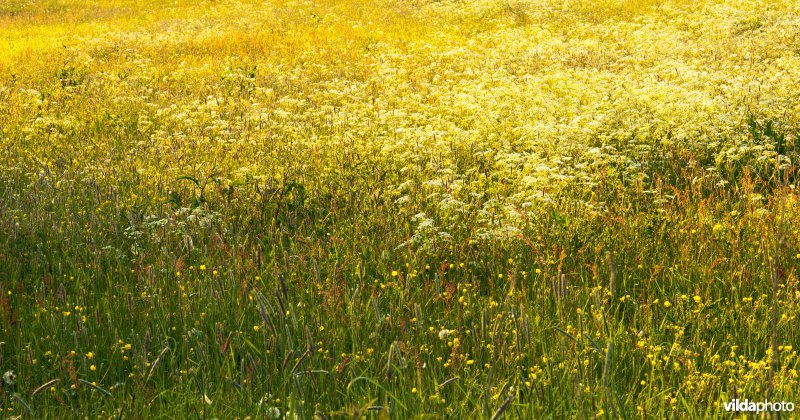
column 394, row 273
column 90, row 355
column 203, row 267
column 92, row 367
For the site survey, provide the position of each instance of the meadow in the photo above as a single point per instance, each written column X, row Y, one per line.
column 398, row 208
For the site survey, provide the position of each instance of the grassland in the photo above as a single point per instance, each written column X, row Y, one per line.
column 522, row 208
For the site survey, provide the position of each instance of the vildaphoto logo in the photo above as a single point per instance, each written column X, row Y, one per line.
column 758, row 406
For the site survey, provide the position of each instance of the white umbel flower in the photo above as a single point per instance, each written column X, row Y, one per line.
column 10, row 378
column 443, row 334
column 274, row 413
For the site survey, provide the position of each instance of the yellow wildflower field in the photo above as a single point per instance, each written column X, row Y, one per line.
column 398, row 208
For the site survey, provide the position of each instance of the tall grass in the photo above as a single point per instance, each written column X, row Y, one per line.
column 297, row 209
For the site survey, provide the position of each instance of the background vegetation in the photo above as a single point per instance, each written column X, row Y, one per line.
column 398, row 208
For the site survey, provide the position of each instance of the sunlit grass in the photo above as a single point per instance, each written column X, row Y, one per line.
column 456, row 208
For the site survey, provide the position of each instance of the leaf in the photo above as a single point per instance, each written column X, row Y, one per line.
column 188, row 178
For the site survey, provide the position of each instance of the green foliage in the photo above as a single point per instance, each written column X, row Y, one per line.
column 402, row 209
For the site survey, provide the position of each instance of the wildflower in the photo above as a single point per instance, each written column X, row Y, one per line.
column 10, row 378
column 274, row 412
column 394, row 273
column 444, row 333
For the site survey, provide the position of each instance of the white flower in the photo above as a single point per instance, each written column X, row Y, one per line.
column 274, row 412
column 10, row 378
column 443, row 334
